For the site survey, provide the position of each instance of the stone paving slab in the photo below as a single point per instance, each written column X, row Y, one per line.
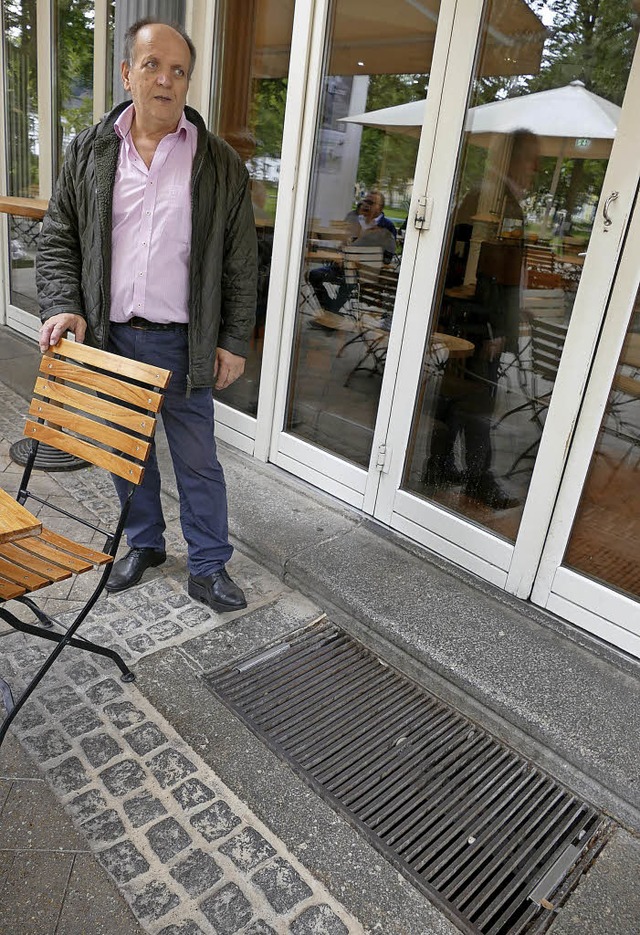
column 607, row 900
column 49, row 882
column 179, row 844
column 186, row 853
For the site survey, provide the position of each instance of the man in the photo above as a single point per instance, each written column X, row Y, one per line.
column 367, row 226
column 490, row 319
column 369, row 221
column 148, row 250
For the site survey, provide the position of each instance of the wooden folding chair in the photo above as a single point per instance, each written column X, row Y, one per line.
column 102, row 408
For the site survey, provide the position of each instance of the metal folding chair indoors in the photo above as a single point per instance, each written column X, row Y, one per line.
column 102, row 408
column 373, row 296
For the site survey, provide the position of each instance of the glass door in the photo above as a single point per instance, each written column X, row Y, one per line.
column 516, row 266
column 251, row 96
column 590, row 568
column 355, row 246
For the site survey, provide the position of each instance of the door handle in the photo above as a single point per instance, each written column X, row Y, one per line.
column 605, row 211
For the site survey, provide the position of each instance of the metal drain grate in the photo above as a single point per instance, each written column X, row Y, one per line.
column 486, row 836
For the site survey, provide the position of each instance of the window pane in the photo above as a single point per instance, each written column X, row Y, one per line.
column 248, row 112
column 74, row 71
column 378, row 54
column 605, row 542
column 19, row 18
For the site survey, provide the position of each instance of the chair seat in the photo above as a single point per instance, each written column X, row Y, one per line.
column 9, row 591
column 37, row 561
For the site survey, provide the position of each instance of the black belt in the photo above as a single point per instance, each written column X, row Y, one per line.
column 143, row 324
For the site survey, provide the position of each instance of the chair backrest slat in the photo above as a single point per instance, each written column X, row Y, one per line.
column 80, row 449
column 364, row 256
column 113, row 363
column 547, row 344
column 377, row 289
column 139, row 422
column 88, row 428
column 87, row 419
column 101, row 383
column 360, row 258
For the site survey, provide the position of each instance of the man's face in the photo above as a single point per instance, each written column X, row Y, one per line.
column 370, row 207
column 524, row 164
column 158, row 79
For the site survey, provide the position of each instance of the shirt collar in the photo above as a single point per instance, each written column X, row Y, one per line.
column 122, row 126
column 365, row 225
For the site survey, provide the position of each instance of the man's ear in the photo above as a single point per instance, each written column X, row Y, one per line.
column 124, row 72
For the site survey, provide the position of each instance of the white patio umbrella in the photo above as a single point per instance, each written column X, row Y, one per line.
column 570, row 122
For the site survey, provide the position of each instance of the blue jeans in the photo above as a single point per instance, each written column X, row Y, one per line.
column 188, row 423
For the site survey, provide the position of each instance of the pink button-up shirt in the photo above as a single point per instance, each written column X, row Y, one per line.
column 151, row 234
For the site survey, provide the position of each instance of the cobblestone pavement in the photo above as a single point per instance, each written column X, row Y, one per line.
column 186, row 853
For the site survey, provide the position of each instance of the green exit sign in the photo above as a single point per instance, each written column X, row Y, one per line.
column 583, row 142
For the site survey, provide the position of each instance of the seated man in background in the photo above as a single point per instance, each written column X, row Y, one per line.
column 367, row 226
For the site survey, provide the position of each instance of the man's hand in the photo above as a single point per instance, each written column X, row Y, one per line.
column 57, row 326
column 228, row 367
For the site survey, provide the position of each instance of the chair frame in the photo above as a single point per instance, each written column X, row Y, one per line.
column 373, row 295
column 101, row 382
column 547, row 345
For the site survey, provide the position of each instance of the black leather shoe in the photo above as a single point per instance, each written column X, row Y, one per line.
column 488, row 491
column 217, row 591
column 442, row 473
column 128, row 570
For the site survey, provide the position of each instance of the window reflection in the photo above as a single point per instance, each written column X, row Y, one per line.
column 605, row 541
column 378, row 54
column 376, row 76
column 531, row 167
column 248, row 112
column 73, row 59
column 19, row 20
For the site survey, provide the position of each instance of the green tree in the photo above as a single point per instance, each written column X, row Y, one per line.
column 267, row 115
column 74, row 69
column 592, row 41
column 387, row 160
column 19, row 21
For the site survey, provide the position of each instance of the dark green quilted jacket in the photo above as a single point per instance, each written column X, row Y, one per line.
column 74, row 251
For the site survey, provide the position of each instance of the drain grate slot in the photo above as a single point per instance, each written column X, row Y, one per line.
column 485, row 835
